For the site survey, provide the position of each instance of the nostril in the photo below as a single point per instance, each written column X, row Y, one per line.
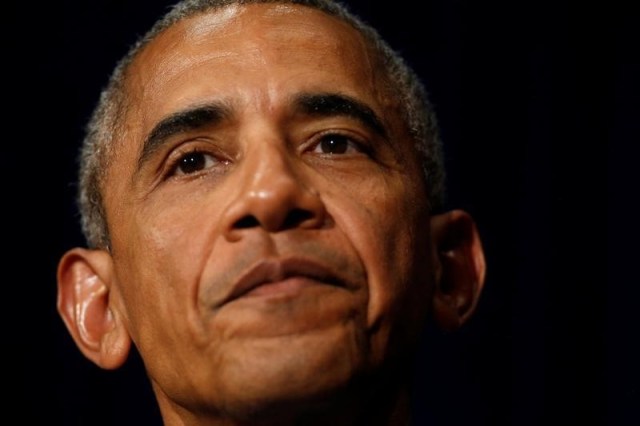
column 293, row 219
column 247, row 222
column 296, row 217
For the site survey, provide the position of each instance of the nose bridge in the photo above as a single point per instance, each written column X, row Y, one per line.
column 267, row 170
column 272, row 192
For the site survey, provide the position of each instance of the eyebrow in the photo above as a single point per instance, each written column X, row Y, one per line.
column 182, row 121
column 324, row 104
column 335, row 104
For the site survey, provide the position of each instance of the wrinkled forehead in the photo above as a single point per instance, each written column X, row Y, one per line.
column 263, row 36
column 259, row 22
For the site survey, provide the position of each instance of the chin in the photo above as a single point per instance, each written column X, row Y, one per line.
column 290, row 375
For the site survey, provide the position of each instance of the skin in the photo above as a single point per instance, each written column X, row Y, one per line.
column 268, row 243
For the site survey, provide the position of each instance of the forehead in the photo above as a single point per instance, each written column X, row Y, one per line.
column 261, row 53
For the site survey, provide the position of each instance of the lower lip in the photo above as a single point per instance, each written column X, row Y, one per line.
column 289, row 286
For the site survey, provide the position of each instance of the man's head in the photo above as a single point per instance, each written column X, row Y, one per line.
column 259, row 189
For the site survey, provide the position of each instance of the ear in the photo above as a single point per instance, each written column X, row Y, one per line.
column 84, row 302
column 461, row 268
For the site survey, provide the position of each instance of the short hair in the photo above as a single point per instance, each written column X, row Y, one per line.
column 106, row 121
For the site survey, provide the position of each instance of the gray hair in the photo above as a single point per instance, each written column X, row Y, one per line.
column 106, row 122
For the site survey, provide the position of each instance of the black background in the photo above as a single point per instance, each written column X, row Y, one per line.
column 537, row 108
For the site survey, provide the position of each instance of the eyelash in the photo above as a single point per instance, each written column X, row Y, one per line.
column 357, row 143
column 180, row 154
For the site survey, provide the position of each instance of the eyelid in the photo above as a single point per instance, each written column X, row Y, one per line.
column 172, row 160
column 360, row 143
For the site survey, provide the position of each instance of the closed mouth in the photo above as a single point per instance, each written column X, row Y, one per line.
column 284, row 275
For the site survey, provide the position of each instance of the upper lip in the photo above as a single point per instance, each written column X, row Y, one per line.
column 274, row 270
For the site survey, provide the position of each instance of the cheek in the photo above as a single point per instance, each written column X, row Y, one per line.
column 161, row 263
column 167, row 244
column 390, row 232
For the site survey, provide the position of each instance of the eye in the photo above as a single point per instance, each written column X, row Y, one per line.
column 335, row 143
column 193, row 162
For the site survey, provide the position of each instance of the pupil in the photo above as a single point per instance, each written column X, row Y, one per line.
column 334, row 145
column 192, row 163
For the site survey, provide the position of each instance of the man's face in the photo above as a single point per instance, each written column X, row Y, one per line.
column 269, row 226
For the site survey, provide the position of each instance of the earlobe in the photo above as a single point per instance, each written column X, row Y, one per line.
column 461, row 261
column 84, row 285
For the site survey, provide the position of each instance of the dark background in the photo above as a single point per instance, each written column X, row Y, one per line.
column 537, row 106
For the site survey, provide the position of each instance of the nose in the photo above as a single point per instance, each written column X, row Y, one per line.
column 272, row 196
